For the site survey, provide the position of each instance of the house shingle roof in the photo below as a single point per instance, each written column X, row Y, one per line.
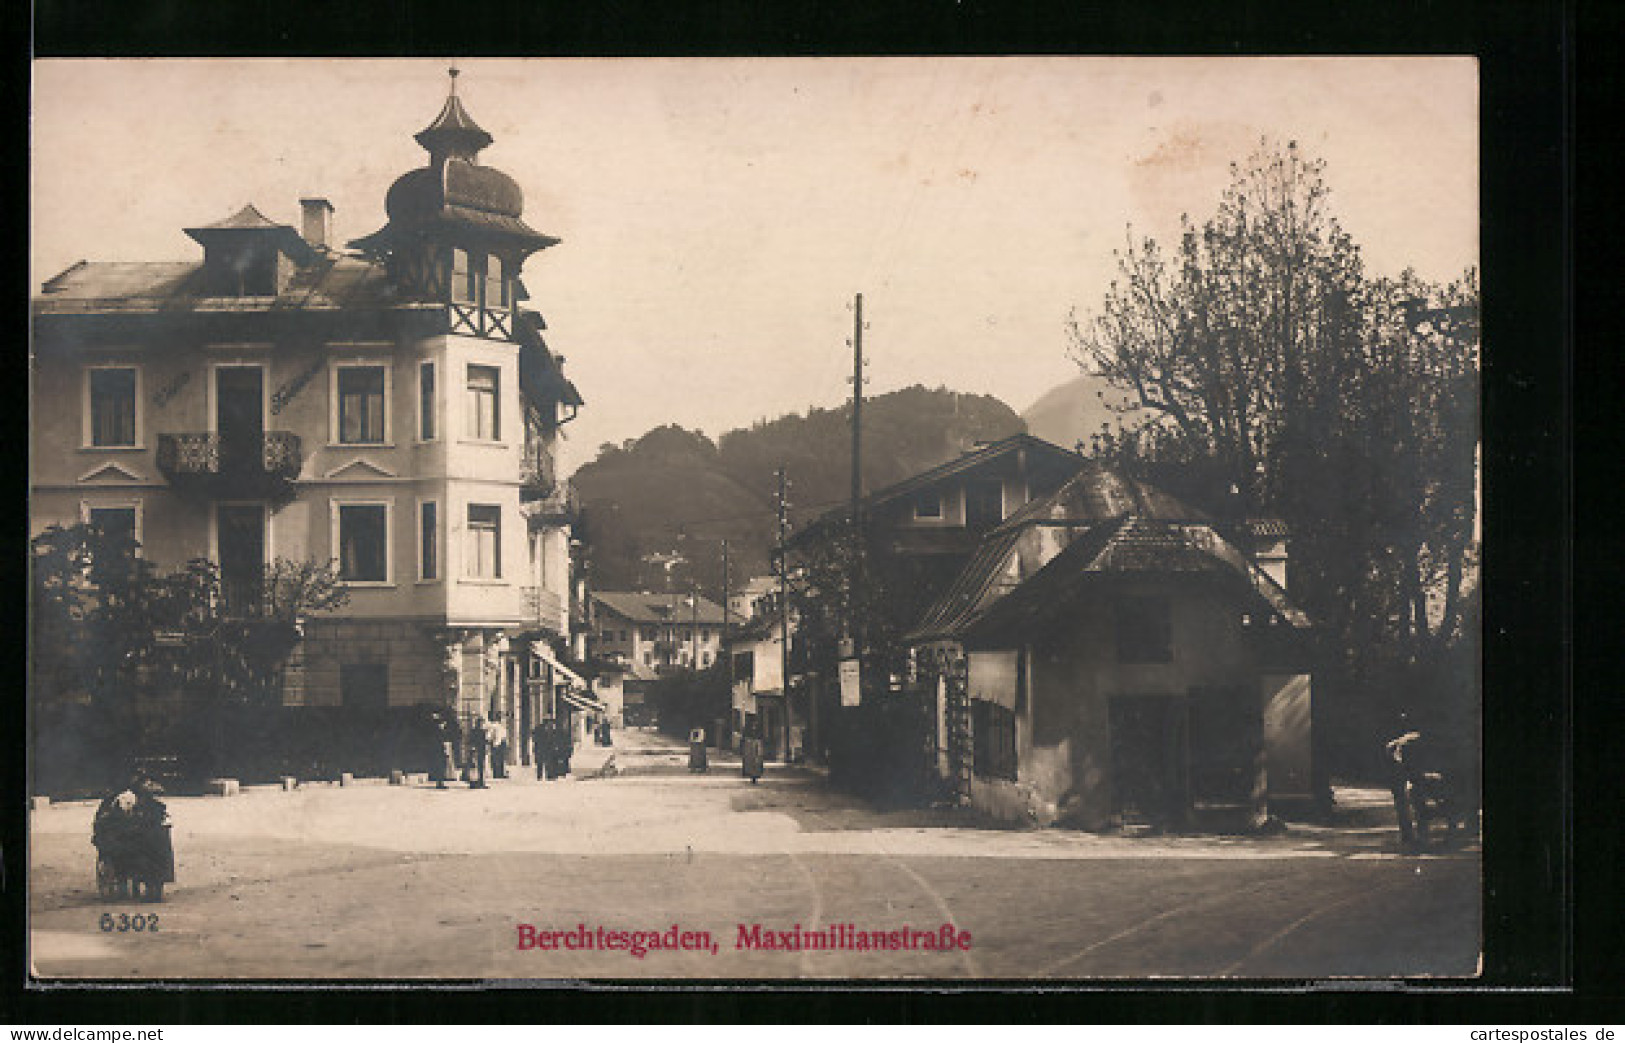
column 959, row 465
column 1108, row 524
column 1098, row 493
column 644, row 607
column 328, row 283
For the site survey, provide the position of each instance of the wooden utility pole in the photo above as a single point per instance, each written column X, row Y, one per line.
column 784, row 602
column 855, row 615
column 857, row 406
column 722, row 644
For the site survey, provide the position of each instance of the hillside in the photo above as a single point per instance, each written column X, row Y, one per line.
column 1072, row 412
column 674, row 490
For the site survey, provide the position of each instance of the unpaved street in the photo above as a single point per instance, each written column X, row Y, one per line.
column 375, row 881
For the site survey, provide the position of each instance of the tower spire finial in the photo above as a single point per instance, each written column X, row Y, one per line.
column 453, row 71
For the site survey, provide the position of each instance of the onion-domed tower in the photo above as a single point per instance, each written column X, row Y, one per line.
column 456, row 233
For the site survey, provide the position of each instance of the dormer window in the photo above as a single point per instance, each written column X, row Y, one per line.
column 249, row 255
column 255, row 273
column 928, row 504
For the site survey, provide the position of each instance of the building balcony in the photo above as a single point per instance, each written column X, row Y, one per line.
column 557, row 509
column 538, row 475
column 220, row 465
column 544, row 607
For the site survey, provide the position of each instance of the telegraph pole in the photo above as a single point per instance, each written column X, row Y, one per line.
column 857, row 406
column 726, row 620
column 855, row 615
column 784, row 602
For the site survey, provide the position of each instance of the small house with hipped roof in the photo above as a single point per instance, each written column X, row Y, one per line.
column 1110, row 657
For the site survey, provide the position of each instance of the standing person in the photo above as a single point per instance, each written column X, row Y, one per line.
column 1403, row 753
column 750, row 755
column 550, row 748
column 446, row 735
column 499, row 745
column 541, row 748
column 479, row 745
column 563, row 746
column 696, row 751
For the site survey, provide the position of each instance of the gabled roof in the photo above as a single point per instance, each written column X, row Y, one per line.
column 644, row 607
column 962, row 464
column 971, row 461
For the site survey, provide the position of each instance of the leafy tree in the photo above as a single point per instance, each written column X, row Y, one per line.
column 236, row 655
column 92, row 599
column 107, row 629
column 1279, row 378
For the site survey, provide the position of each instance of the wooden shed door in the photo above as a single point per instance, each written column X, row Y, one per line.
column 1149, row 777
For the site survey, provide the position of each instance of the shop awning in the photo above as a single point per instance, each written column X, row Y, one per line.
column 583, row 701
column 541, row 652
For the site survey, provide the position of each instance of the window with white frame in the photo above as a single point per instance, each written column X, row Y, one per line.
column 362, row 390
column 484, row 390
column 426, row 396
column 111, row 402
column 361, row 540
column 121, row 524
column 484, row 541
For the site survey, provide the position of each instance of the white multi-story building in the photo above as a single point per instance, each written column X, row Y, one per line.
column 391, row 407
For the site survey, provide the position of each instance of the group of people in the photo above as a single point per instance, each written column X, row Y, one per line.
column 488, row 749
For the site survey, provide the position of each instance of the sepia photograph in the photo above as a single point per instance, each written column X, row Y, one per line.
column 971, row 519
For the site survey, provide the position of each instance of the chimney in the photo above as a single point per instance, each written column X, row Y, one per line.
column 318, row 222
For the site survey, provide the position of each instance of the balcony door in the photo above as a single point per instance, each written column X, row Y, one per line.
column 239, row 416
column 240, row 544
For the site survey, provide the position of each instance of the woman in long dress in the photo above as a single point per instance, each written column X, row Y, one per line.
column 750, row 756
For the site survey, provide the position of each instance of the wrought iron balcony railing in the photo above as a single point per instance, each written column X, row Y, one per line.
column 231, row 464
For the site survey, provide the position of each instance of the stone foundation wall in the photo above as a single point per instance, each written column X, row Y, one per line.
column 415, row 661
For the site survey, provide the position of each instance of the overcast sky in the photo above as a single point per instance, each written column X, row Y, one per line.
column 718, row 215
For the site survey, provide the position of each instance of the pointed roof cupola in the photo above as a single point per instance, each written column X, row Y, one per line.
column 453, row 198
column 453, row 132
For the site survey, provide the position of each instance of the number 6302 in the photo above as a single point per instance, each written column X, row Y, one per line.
column 126, row 922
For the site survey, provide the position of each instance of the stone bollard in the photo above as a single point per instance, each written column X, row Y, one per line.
column 397, row 778
column 346, row 779
column 289, row 783
column 221, row 787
